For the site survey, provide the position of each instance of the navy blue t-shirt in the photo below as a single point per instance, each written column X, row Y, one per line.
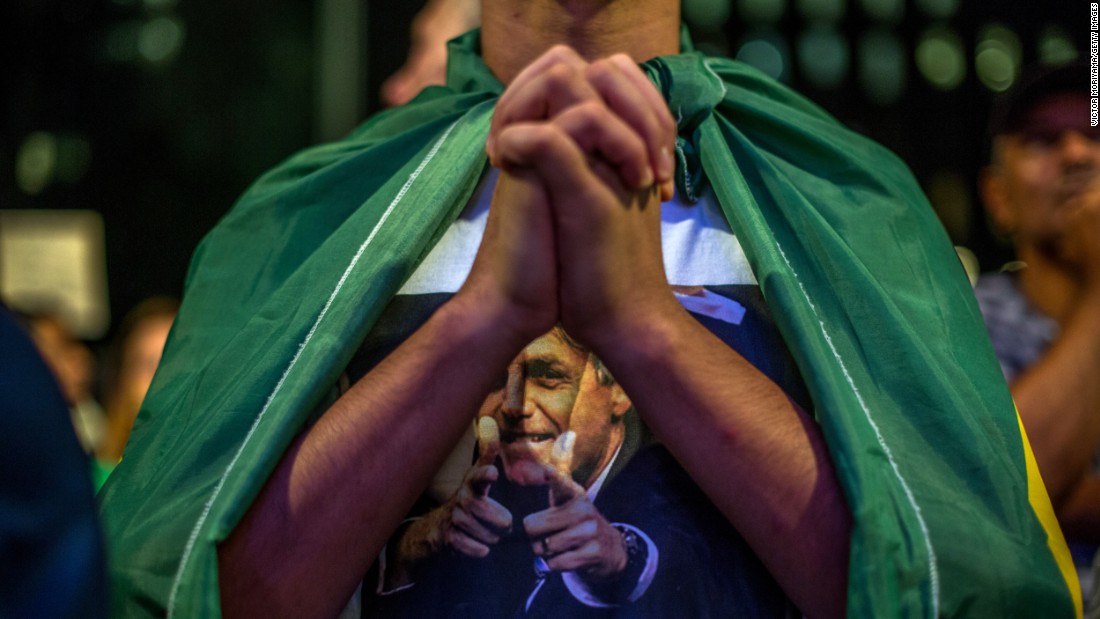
column 684, row 559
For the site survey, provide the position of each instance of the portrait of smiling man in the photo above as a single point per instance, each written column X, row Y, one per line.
column 560, row 511
column 553, row 386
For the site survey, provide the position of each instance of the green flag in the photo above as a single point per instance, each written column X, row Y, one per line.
column 950, row 518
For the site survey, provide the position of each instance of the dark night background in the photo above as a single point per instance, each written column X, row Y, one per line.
column 165, row 110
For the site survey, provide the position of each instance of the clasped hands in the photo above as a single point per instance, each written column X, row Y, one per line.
column 585, row 151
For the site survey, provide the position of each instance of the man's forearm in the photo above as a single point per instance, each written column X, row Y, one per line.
column 345, row 484
column 1059, row 401
column 750, row 448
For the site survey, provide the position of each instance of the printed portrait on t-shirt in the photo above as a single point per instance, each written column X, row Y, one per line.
column 559, row 502
column 554, row 386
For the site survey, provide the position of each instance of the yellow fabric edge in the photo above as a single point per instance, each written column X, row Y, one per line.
column 1040, row 504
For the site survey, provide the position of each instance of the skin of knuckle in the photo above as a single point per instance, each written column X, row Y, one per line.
column 494, row 511
column 600, row 74
column 621, row 59
column 602, row 66
column 463, row 496
column 592, row 551
column 552, row 141
column 588, row 528
column 562, row 53
column 590, row 115
column 467, row 547
column 558, row 76
column 479, row 510
column 587, row 509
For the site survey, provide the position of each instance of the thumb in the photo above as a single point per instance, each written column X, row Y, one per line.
column 488, row 441
column 560, row 475
column 488, row 448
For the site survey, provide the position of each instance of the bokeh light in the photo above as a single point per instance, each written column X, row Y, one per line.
column 1055, row 46
column 997, row 57
column 768, row 52
column 940, row 58
column 36, row 162
column 160, row 39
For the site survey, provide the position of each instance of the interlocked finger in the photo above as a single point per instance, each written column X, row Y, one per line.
column 552, row 83
column 600, row 133
column 632, row 97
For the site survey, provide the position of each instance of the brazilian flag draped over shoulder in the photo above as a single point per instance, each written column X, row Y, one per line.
column 950, row 516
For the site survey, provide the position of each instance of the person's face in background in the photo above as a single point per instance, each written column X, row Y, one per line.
column 140, row 358
column 1038, row 171
column 551, row 387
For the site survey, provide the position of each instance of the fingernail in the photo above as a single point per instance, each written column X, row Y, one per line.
column 487, row 430
column 647, row 178
column 665, row 165
column 668, row 190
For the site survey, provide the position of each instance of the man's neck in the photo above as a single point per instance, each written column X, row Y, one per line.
column 1050, row 288
column 516, row 32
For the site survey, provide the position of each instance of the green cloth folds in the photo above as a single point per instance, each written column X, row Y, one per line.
column 858, row 273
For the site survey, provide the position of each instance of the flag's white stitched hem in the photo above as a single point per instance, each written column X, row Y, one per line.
column 932, row 568
column 221, row 481
column 721, row 82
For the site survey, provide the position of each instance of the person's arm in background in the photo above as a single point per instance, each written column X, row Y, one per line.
column 426, row 64
column 1059, row 396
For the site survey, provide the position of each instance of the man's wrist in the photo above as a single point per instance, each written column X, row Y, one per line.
column 630, row 584
column 642, row 333
column 637, row 552
column 502, row 323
